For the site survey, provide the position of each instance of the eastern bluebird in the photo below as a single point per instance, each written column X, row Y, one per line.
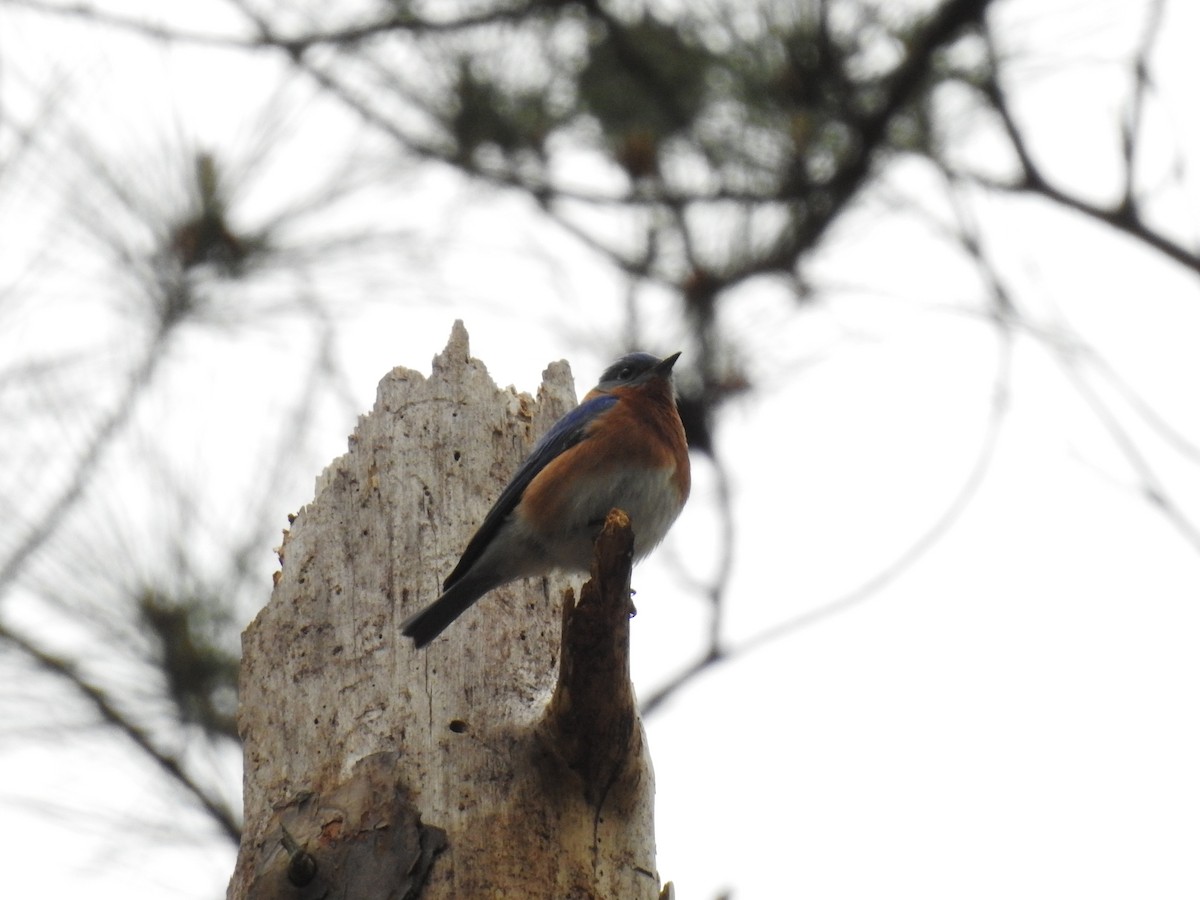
column 623, row 447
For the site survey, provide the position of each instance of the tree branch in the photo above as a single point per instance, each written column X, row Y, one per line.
column 1002, row 312
column 111, row 715
column 902, row 86
column 99, row 443
column 1124, row 216
column 399, row 20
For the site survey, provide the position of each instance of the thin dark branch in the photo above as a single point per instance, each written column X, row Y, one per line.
column 398, row 21
column 1152, row 487
column 822, row 204
column 111, row 715
column 1140, row 405
column 903, row 85
column 885, row 576
column 52, row 517
column 1002, row 318
column 137, row 25
column 718, row 590
column 823, row 207
column 1131, row 135
column 650, row 704
column 1124, row 216
column 639, row 269
column 1123, row 219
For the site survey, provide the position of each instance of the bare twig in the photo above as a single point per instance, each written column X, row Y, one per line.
column 398, row 20
column 886, row 576
column 1152, row 487
column 1132, row 127
column 1124, row 215
column 52, row 517
column 1171, row 435
column 1002, row 317
column 113, row 716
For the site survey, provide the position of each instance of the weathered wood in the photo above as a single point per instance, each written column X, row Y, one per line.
column 439, row 773
column 592, row 717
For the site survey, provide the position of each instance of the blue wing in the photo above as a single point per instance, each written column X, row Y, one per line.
column 566, row 433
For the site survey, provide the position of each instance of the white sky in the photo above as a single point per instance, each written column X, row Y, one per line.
column 1012, row 717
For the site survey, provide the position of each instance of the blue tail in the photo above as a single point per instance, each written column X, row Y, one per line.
column 437, row 616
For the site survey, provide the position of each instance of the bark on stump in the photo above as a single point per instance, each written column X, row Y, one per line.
column 473, row 768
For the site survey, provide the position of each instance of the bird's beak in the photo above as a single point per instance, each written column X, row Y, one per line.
column 663, row 369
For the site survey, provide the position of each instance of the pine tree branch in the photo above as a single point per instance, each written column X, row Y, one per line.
column 111, row 715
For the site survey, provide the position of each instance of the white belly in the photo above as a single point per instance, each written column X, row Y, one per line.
column 647, row 496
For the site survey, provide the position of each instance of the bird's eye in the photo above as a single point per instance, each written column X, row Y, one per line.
column 625, row 374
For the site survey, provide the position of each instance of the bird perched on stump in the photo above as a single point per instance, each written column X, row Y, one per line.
column 622, row 447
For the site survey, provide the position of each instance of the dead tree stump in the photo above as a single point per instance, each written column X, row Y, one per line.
column 475, row 767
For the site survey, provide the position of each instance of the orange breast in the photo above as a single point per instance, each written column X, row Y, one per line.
column 634, row 457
